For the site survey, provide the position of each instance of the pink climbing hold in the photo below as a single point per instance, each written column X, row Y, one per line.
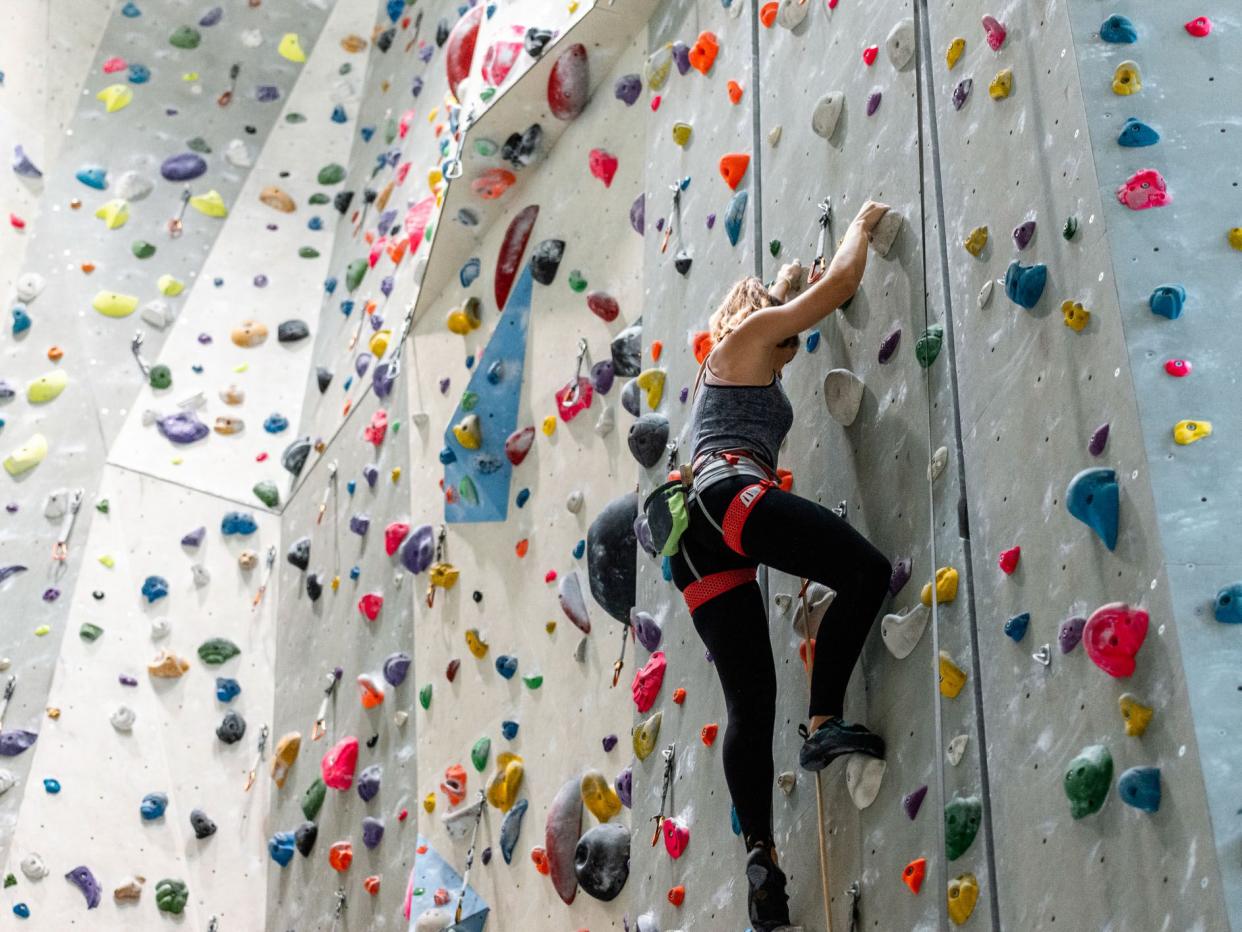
column 869, row 54
column 113, row 65
column 994, row 32
column 339, row 763
column 603, row 166
column 501, row 56
column 1144, row 189
column 370, row 605
column 648, row 680
column 375, row 432
column 574, row 398
column 394, row 534
column 1009, row 559
column 1199, row 27
column 676, row 837
column 1113, row 636
column 1178, row 368
column 416, row 220
column 518, row 445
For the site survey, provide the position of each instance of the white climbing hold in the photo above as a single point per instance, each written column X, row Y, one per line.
column 818, row 597
column 251, row 38
column 843, row 393
column 56, row 504
column 786, row 781
column 33, row 867
column 902, row 632
column 774, row 135
column 459, row 822
column 900, row 44
column 863, row 776
column 939, row 460
column 156, row 313
column 132, row 186
column 201, row 576
column 957, row 748
column 884, row 233
column 606, row 421
column 30, row 286
column 122, row 718
column 7, row 781
column 827, row 113
column 580, row 651
column 237, row 154
column 985, row 293
column 573, row 501
column 400, row 717
column 783, row 602
column 790, row 13
column 160, row 628
column 432, row 920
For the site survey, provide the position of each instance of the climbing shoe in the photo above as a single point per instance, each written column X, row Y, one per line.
column 766, row 900
column 834, row 738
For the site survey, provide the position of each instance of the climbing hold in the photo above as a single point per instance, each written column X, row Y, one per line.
column 647, row 438
column 1070, row 633
column 1016, row 626
column 280, row 847
column 962, row 92
column 843, row 394
column 1093, row 497
column 312, row 799
column 900, row 575
column 82, row 878
column 994, row 32
column 503, row 786
column 734, row 216
column 914, row 873
column 340, row 856
column 888, row 346
column 1087, row 780
column 1136, row 134
column 946, row 586
column 976, row 241
column 702, row 55
column 339, row 763
column 602, row 861
column 963, row 895
column 873, row 102
column 1113, row 636
column 113, row 213
column 645, row 735
column 116, row 97
column 210, row 204
column 47, row 387
column 569, row 593
column 232, row 727
column 927, row 348
column 1140, row 787
column 1126, row 79
column 599, row 796
column 290, row 48
column 1118, row 29
column 1178, row 368
column 217, row 650
column 827, row 113
column 1188, row 432
column 468, row 432
column 266, row 492
column 304, row 838
column 952, row 677
column 1008, row 560
column 1143, row 190
column 202, row 824
column 478, row 647
column 480, row 753
column 1135, row 715
column 913, row 801
column 733, row 167
column 569, row 83
column 1199, row 27
column 1023, row 233
column 511, row 828
column 1001, row 86
column 1099, row 437
column 1228, row 606
column 863, row 776
column 869, row 55
column 112, row 304
column 1075, row 315
column 1024, row 284
column 564, row 827
column 962, row 816
column 249, row 333
column 647, row 681
column 285, row 754
column 651, row 381
column 900, row 42
column 902, row 632
column 1167, row 301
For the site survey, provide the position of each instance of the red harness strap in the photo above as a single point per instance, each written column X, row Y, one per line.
column 714, row 584
column 739, row 510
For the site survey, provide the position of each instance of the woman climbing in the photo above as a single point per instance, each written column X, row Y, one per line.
column 739, row 518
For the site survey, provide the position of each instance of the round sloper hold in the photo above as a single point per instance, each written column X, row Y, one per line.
column 612, row 556
column 863, row 776
column 648, row 437
column 602, row 861
column 962, row 816
column 1087, row 780
column 843, row 393
column 627, row 351
column 900, row 44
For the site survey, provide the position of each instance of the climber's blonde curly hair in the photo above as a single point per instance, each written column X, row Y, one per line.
column 744, row 298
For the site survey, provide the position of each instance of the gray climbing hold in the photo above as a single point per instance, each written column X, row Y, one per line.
column 231, row 729
column 291, row 331
column 202, row 824
column 884, row 233
column 843, row 393
column 511, row 829
column 648, row 438
column 612, row 556
column 295, row 455
column 299, row 553
column 602, row 861
column 627, row 350
column 631, row 399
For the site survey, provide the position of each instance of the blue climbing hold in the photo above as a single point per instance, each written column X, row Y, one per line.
column 351, row 485
column 51, row 785
column 366, row 132
column 314, row 223
column 329, row 284
column 355, row 571
column 1093, row 497
column 506, row 666
column 1016, row 626
column 511, row 829
column 579, row 549
column 735, row 216
column 522, row 498
column 395, row 9
column 21, row 320
column 154, row 588
column 139, row 74
column 1024, row 284
column 275, row 423
column 1118, row 29
column 1228, row 608
column 469, row 271
column 812, row 341
column 227, row 688
column 496, row 372
column 1136, row 134
column 447, row 456
column 734, row 821
column 130, row 10
column 280, row 847
column 1168, row 301
column 1140, row 787
column 21, row 910
column 509, row 729
column 238, row 522
column 93, row 176
column 338, row 116
column 153, row 806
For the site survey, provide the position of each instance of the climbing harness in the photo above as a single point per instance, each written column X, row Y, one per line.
column 254, row 768
column 809, row 654
column 175, row 225
column 320, row 728
column 226, row 96
column 269, row 562
column 465, row 877
column 60, row 549
column 669, row 754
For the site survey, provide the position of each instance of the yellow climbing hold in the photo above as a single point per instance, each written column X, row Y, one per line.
column 599, row 796
column 429, row 803
column 954, row 52
column 1002, row 85
column 465, row 318
column 550, row 627
column 468, row 432
column 444, row 575
column 681, row 133
column 26, row 457
column 1136, row 715
column 975, row 242
column 113, row 304
column 1235, row 238
column 952, row 677
column 170, row 286
column 946, row 586
column 47, row 387
column 477, row 645
column 211, row 204
column 549, row 426
column 42, row 630
column 502, row 788
column 379, row 343
column 1187, row 432
column 1126, row 79
column 116, row 97
column 395, row 474
column 963, row 894
column 190, row 77
column 114, row 213
column 646, row 734
column 107, row 561
column 291, row 48
column 285, row 754
column 1076, row 316
column 652, row 382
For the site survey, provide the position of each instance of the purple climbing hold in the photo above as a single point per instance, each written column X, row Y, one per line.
column 646, row 631
column 603, row 373
column 1098, row 440
column 182, row 427
column 84, row 880
column 638, row 214
column 1022, row 234
column 362, row 363
column 609, row 742
column 627, row 88
column 888, row 346
column 911, row 802
column 7, row 571
column 194, row 539
column 902, row 569
column 873, row 103
column 381, row 381
column 370, row 472
column 369, row 782
column 266, row 93
column 397, row 668
column 711, row 220
column 16, row 740
column 418, row 550
column 51, row 594
column 1070, row 633
column 211, row 17
column 360, row 524
column 624, row 785
column 127, row 680
column 681, row 55
column 22, row 164
column 961, row 92
column 372, row 831
column 184, row 166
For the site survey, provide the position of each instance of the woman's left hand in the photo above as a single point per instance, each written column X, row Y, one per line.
column 791, row 273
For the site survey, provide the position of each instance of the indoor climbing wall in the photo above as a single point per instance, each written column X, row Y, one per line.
column 1046, row 392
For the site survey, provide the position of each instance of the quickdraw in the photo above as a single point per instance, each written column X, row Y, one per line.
column 617, row 667
column 569, row 393
column 60, row 549
column 320, row 728
column 175, row 224
column 9, row 687
column 254, row 768
column 226, row 96
column 269, row 564
column 669, row 754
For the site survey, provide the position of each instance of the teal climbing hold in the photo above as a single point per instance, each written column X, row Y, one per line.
column 1016, row 626
column 1228, row 608
column 1118, row 29
column 1087, row 780
column 735, row 215
column 93, row 176
column 962, row 816
column 1094, row 498
column 1136, row 134
column 1167, row 301
column 1140, row 787
column 1024, row 284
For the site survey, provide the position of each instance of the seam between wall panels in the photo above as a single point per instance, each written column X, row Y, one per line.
column 923, row 48
column 756, row 177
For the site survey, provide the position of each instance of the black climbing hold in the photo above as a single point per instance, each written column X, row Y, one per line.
column 477, row 596
column 612, row 557
column 546, row 259
column 602, row 861
column 536, row 40
column 342, row 200
column 648, row 438
column 486, row 856
column 681, row 262
column 442, row 32
column 299, row 553
column 627, row 350
column 323, row 375
column 314, row 586
column 520, row 148
column 290, row 331
column 384, row 40
column 294, row 457
column 202, row 824
column 232, row 728
column 304, row 837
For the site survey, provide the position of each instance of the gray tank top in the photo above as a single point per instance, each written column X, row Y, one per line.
column 741, row 417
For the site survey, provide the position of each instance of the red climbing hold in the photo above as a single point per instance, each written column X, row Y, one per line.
column 767, row 14
column 518, row 445
column 603, row 305
column 869, row 54
column 1178, row 368
column 370, row 605
column 375, row 432
column 647, row 681
column 1113, row 636
column 703, row 53
column 1009, row 559
column 676, row 837
column 1199, row 27
column 569, row 83
column 677, row 895
column 372, row 884
column 459, row 49
column 802, row 652
column 338, row 764
column 655, row 102
column 707, row 734
column 492, row 183
column 1144, row 189
column 994, row 32
column 521, row 547
column 603, row 166
column 540, row 858
column 394, row 534
column 450, row 672
column 416, row 220
column 914, row 873
column 511, row 250
column 550, row 576
column 732, row 167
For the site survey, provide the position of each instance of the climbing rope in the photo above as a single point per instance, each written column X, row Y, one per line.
column 808, row 650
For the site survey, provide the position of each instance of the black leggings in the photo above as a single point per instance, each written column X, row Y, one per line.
column 795, row 536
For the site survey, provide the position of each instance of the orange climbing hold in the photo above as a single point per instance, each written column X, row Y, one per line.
column 522, row 546
column 677, row 895
column 340, row 856
column 703, row 54
column 657, row 348
column 55, row 353
column 372, row 884
column 767, row 14
column 679, row 695
column 914, row 873
column 702, row 345
column 707, row 734
column 732, row 167
column 735, row 92
column 539, row 856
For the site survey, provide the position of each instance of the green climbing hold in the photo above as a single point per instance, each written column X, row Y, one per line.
column 1070, row 228
column 171, row 895
column 185, row 37
column 961, row 823
column 332, row 173
column 1087, row 780
column 312, row 799
column 390, row 131
column 215, row 651
column 487, row 94
column 395, row 427
column 102, row 506
column 928, row 346
column 318, row 198
column 265, row 491
column 200, row 145
column 89, row 632
column 774, row 247
column 160, row 377
column 485, row 148
column 424, row 696
column 577, row 282
column 345, row 69
column 479, row 754
column 354, row 272
column 295, row 117
column 469, row 400
column 142, row 249
column 469, row 492
column 10, row 880
column 308, row 252
column 533, row 680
